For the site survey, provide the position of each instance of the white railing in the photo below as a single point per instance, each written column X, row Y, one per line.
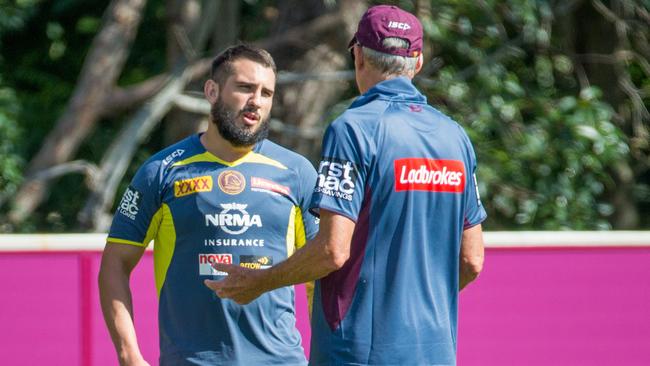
column 493, row 239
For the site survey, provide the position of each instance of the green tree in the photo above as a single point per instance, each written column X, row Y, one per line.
column 12, row 17
column 546, row 137
column 554, row 94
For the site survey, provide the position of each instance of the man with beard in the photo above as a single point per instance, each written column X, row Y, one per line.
column 400, row 230
column 224, row 196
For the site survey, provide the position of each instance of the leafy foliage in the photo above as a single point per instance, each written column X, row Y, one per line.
column 546, row 138
column 544, row 143
column 12, row 16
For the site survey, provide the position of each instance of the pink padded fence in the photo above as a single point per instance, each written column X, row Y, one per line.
column 542, row 299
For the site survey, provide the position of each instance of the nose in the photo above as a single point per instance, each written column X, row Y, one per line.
column 255, row 99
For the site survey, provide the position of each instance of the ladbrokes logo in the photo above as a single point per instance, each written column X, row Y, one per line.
column 206, row 261
column 337, row 178
column 234, row 219
column 255, row 261
column 188, row 186
column 130, row 203
column 420, row 174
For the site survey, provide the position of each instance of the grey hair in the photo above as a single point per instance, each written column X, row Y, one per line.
column 391, row 64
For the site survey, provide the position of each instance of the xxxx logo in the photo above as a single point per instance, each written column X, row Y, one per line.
column 193, row 185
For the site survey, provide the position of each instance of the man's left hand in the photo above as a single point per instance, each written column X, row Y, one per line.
column 242, row 285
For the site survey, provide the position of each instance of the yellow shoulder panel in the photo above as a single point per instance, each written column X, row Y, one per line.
column 251, row 157
column 261, row 159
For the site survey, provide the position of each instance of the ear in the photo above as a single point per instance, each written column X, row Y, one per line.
column 419, row 63
column 211, row 91
column 358, row 56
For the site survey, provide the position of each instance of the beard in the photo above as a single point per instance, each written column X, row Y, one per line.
column 225, row 120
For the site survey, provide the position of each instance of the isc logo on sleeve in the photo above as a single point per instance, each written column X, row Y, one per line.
column 434, row 175
column 337, row 178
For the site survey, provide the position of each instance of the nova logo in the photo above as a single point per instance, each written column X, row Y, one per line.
column 337, row 178
column 129, row 205
column 206, row 261
column 188, row 186
column 234, row 219
column 399, row 25
column 420, row 174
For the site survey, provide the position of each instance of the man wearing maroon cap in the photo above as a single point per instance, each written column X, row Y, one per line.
column 400, row 230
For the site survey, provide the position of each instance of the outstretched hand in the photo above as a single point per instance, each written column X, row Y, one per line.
column 242, row 285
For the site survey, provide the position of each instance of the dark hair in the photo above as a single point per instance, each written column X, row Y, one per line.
column 222, row 64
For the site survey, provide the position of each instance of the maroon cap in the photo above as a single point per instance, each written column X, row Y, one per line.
column 384, row 21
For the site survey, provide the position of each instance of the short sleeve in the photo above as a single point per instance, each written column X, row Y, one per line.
column 342, row 170
column 474, row 211
column 307, row 181
column 136, row 218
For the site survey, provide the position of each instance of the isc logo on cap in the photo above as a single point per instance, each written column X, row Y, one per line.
column 399, row 25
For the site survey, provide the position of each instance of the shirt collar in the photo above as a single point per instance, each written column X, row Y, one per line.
column 397, row 89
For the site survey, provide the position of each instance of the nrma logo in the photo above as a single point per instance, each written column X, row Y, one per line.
column 233, row 219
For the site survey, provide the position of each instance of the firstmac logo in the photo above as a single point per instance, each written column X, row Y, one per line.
column 130, row 203
column 337, row 178
column 434, row 175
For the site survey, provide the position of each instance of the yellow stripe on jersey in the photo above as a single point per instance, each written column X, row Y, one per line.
column 154, row 225
column 124, row 241
column 251, row 157
column 296, row 237
column 164, row 245
column 301, row 237
column 204, row 157
column 254, row 157
column 291, row 232
column 151, row 232
column 300, row 241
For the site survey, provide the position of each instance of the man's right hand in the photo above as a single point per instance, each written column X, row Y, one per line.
column 242, row 285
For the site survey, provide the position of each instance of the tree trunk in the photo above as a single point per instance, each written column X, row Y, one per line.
column 102, row 67
column 182, row 21
column 594, row 34
column 218, row 27
column 118, row 156
column 305, row 105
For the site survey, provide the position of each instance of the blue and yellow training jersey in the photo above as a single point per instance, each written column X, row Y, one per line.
column 198, row 210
